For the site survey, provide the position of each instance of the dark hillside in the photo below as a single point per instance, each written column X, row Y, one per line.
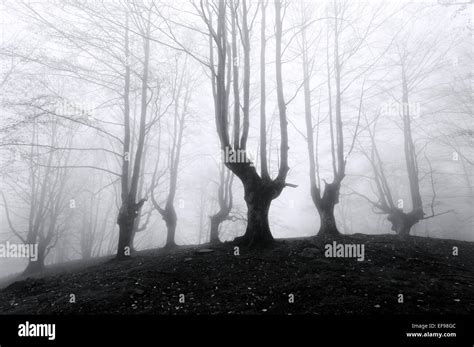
column 431, row 279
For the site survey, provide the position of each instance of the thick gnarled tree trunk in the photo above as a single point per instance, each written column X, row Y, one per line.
column 325, row 206
column 215, row 221
column 258, row 197
column 170, row 218
column 37, row 265
column 125, row 220
column 403, row 222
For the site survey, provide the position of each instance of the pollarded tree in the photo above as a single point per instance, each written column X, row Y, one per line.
column 401, row 221
column 224, row 189
column 416, row 60
column 182, row 92
column 347, row 35
column 259, row 189
column 130, row 207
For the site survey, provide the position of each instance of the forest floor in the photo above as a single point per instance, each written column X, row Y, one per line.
column 431, row 279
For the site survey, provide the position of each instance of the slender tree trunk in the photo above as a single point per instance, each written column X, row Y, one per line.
column 136, row 223
column 225, row 200
column 124, row 219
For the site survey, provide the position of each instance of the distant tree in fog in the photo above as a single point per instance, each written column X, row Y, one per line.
column 182, row 93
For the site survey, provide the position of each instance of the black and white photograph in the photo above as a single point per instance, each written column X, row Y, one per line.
column 248, row 167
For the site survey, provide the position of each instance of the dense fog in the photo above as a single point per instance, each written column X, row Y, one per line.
column 120, row 122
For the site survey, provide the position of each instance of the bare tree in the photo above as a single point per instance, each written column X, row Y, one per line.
column 181, row 98
column 325, row 199
column 415, row 60
column 108, row 46
column 45, row 191
column 130, row 206
column 401, row 221
column 259, row 190
column 225, row 201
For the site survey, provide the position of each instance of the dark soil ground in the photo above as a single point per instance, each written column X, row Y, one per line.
column 431, row 279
